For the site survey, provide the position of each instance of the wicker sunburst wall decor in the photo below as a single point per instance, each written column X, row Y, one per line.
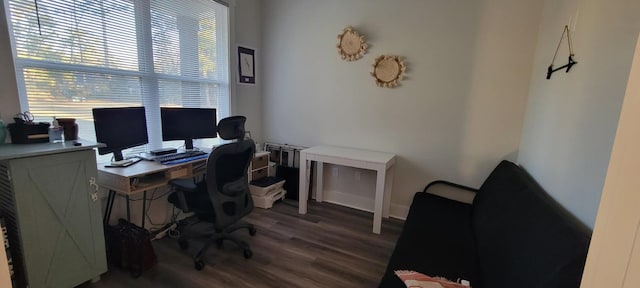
column 388, row 70
column 351, row 45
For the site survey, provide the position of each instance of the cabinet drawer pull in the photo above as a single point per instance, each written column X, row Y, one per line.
column 93, row 189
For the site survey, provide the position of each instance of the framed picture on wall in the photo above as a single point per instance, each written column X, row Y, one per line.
column 246, row 65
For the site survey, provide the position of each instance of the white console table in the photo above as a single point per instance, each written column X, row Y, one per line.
column 380, row 162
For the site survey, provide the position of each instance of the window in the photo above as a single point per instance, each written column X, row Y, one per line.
column 75, row 55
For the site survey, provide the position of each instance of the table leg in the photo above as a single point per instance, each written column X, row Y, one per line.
column 388, row 187
column 107, row 212
column 144, row 206
column 377, row 212
column 303, row 186
column 319, row 180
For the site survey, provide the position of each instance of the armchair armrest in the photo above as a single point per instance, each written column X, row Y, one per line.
column 450, row 190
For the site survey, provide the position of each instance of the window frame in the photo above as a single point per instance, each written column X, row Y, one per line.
column 148, row 77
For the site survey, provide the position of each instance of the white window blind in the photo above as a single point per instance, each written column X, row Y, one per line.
column 75, row 55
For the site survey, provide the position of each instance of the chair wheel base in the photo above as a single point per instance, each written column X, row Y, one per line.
column 199, row 264
column 247, row 253
column 173, row 233
column 184, row 245
column 135, row 273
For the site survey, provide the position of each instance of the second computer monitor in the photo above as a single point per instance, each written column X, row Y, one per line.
column 188, row 124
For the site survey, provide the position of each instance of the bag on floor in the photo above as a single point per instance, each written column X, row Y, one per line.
column 129, row 247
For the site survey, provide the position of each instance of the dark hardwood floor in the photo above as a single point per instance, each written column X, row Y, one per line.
column 330, row 246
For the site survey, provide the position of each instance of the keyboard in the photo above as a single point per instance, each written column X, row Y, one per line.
column 177, row 156
column 183, row 160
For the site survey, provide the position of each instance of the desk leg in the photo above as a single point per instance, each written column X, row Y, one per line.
column 128, row 210
column 107, row 212
column 319, row 180
column 377, row 212
column 303, row 186
column 144, row 206
column 388, row 187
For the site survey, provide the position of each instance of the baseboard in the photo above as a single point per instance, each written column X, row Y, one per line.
column 363, row 203
column 348, row 200
column 398, row 211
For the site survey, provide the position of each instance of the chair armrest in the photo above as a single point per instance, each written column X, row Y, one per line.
column 450, row 190
column 179, row 187
column 236, row 187
column 184, row 184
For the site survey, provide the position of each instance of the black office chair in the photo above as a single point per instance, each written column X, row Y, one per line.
column 223, row 197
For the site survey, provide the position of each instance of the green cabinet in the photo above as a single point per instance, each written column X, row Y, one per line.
column 53, row 217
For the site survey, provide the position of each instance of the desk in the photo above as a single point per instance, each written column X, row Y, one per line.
column 140, row 177
column 381, row 162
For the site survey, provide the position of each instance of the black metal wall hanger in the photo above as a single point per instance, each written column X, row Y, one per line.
column 571, row 62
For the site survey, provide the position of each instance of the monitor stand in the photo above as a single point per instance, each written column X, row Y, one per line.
column 117, row 155
column 188, row 144
column 123, row 163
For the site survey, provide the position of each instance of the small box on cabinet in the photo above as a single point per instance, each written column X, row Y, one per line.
column 23, row 133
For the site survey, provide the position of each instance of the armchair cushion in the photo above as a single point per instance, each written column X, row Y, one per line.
column 522, row 233
column 435, row 238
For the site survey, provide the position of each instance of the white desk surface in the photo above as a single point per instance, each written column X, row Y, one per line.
column 351, row 153
column 152, row 174
column 144, row 167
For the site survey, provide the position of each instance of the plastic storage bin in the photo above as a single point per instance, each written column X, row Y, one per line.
column 267, row 201
column 266, row 185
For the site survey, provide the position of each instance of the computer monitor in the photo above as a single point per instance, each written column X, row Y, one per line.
column 188, row 124
column 119, row 129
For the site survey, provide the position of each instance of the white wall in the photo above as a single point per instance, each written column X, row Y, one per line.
column 614, row 253
column 458, row 113
column 247, row 99
column 571, row 119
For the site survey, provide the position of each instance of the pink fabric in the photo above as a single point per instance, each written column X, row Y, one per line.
column 418, row 280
